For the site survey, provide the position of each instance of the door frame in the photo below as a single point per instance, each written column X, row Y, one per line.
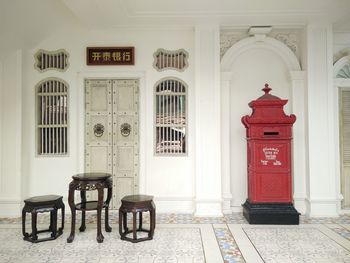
column 78, row 95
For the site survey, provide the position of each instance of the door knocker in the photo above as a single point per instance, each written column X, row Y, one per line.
column 125, row 129
column 99, row 130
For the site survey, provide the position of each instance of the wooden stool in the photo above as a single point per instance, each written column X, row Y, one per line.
column 136, row 204
column 40, row 204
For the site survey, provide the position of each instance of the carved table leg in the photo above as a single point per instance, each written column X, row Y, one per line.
column 108, row 200
column 83, row 200
column 99, row 237
column 72, row 208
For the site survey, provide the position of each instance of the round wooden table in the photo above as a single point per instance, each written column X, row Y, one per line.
column 87, row 182
column 136, row 204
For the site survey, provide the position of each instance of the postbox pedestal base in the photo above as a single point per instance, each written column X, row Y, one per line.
column 271, row 213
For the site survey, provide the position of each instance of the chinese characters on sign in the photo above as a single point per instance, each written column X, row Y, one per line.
column 100, row 56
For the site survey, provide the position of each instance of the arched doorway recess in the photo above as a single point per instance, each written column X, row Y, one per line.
column 233, row 178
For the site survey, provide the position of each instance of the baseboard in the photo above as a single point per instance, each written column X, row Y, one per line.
column 181, row 205
column 300, row 204
column 10, row 208
column 322, row 207
column 208, row 208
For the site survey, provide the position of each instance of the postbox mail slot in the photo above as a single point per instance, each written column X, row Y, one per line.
column 271, row 133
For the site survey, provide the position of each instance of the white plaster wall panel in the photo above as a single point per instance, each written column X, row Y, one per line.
column 251, row 70
column 174, row 175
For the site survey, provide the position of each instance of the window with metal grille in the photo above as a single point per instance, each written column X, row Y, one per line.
column 52, row 117
column 46, row 60
column 166, row 59
column 344, row 103
column 170, row 117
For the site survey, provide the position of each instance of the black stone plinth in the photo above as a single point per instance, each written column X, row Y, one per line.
column 271, row 213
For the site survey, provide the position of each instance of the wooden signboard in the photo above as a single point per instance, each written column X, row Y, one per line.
column 106, row 56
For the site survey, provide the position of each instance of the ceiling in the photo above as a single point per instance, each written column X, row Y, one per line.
column 21, row 21
column 118, row 13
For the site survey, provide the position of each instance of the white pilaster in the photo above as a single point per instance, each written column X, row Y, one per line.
column 322, row 198
column 11, row 161
column 299, row 140
column 225, row 142
column 208, row 135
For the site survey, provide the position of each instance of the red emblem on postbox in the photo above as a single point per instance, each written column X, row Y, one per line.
column 269, row 136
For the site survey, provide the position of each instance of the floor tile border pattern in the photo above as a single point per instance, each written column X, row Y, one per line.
column 228, row 246
column 234, row 218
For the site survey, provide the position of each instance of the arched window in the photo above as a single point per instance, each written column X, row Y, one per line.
column 170, row 117
column 52, row 117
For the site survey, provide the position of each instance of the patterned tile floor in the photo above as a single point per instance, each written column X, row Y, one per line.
column 314, row 240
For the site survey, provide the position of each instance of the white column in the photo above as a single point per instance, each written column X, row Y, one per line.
column 208, row 136
column 299, row 140
column 321, row 181
column 225, row 142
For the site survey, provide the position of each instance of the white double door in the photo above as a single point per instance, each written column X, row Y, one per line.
column 112, row 133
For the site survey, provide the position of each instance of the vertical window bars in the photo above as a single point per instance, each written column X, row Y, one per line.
column 52, row 117
column 170, row 117
column 46, row 60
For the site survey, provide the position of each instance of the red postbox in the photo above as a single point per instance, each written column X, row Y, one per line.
column 269, row 137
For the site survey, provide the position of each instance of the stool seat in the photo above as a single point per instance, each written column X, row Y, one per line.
column 42, row 199
column 136, row 204
column 40, row 204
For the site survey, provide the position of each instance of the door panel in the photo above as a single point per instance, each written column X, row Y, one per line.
column 125, row 138
column 98, row 128
column 111, row 133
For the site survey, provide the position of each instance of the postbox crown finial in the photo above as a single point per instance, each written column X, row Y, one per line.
column 267, row 89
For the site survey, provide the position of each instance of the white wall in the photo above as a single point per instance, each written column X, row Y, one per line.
column 169, row 179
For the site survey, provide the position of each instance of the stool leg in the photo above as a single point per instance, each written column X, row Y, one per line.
column 60, row 230
column 54, row 223
column 51, row 221
column 121, row 216
column 99, row 237
column 140, row 221
column 151, row 223
column 72, row 208
column 109, row 197
column 25, row 234
column 34, row 229
column 83, row 200
column 134, row 225
column 125, row 221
